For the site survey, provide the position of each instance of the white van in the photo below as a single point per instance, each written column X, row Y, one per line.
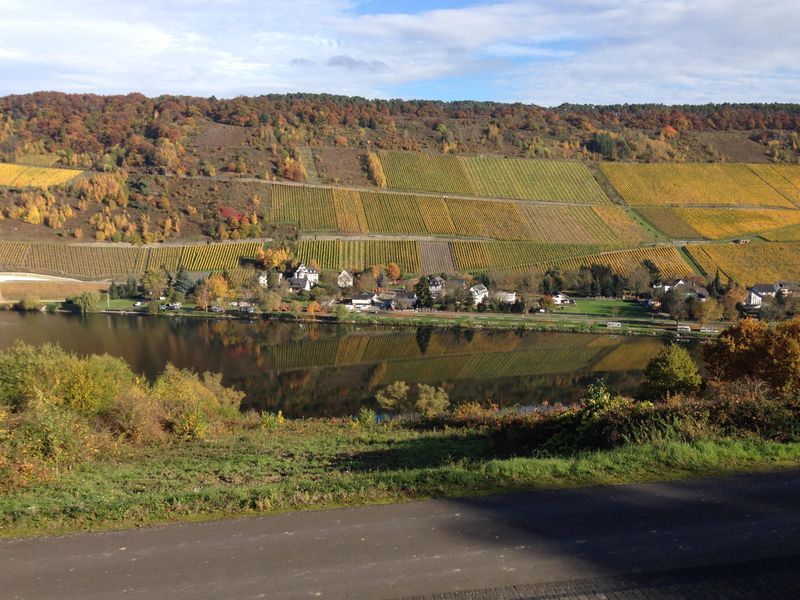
column 613, row 324
column 684, row 328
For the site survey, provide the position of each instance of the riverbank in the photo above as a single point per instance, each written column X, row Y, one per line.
column 563, row 322
column 314, row 464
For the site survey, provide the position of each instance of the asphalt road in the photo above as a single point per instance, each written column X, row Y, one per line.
column 423, row 547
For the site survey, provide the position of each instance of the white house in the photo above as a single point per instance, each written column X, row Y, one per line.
column 757, row 293
column 363, row 300
column 436, row 284
column 479, row 293
column 505, row 297
column 668, row 285
column 309, row 273
column 560, row 299
column 345, row 279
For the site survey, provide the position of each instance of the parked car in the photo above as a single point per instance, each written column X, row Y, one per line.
column 217, row 309
column 248, row 310
column 138, row 303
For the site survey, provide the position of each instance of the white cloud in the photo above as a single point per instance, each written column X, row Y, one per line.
column 543, row 51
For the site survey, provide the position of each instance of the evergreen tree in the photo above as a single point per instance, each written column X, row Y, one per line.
column 423, row 290
column 183, row 283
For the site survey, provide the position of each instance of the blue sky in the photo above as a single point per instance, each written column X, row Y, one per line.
column 537, row 51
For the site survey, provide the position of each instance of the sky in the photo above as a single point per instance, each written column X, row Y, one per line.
column 544, row 52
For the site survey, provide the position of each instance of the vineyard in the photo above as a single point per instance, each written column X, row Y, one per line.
column 750, row 263
column 358, row 254
column 723, row 223
column 22, row 176
column 546, row 180
column 354, row 211
column 667, row 220
column 477, row 256
column 693, row 184
column 521, row 257
column 98, row 262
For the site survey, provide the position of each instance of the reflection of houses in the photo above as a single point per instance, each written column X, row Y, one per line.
column 505, row 297
column 345, row 279
column 479, row 293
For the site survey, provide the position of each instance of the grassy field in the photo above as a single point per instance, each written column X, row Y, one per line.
column 48, row 290
column 322, row 464
column 560, row 181
column 23, row 176
column 750, row 263
column 693, row 184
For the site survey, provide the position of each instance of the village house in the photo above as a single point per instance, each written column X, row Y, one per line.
column 300, row 284
column 404, row 301
column 363, row 300
column 666, row 286
column 561, row 299
column 309, row 273
column 479, row 293
column 436, row 284
column 345, row 279
column 759, row 292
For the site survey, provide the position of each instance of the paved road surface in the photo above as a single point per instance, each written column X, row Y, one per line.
column 422, row 548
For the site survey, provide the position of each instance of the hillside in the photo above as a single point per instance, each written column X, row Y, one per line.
column 450, row 187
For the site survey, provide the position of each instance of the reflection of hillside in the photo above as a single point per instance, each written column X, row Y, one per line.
column 319, row 369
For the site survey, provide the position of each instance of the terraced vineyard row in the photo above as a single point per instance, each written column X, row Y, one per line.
column 474, row 256
column 700, row 184
column 546, row 180
column 358, row 254
column 719, row 223
column 353, row 211
column 750, row 263
column 97, row 262
column 22, row 176
column 13, row 253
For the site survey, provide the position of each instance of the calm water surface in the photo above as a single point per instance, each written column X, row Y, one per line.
column 330, row 370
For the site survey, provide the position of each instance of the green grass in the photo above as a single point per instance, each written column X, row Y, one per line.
column 321, row 464
column 605, row 308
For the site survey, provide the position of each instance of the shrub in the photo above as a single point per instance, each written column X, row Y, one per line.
column 28, row 304
column 671, row 371
column 366, row 418
column 28, row 373
column 137, row 415
column 270, row 420
column 191, row 402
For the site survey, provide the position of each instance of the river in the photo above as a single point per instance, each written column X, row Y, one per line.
column 309, row 370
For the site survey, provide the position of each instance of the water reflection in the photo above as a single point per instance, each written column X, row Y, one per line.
column 315, row 369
